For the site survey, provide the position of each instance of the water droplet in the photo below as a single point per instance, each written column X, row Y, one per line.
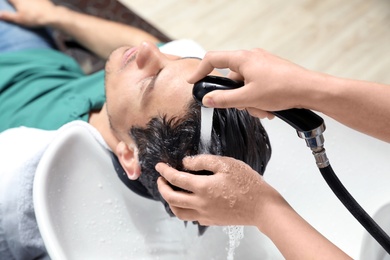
column 232, row 200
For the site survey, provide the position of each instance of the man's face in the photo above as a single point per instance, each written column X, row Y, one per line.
column 142, row 83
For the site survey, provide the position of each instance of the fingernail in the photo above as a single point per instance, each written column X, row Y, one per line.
column 208, row 102
column 188, row 159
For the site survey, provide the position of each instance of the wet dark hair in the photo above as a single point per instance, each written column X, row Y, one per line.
column 235, row 134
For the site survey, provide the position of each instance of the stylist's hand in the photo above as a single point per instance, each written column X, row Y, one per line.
column 30, row 13
column 271, row 83
column 234, row 195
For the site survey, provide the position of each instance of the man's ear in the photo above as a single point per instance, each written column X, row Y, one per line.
column 128, row 157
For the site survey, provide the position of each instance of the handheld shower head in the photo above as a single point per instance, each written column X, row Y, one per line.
column 308, row 125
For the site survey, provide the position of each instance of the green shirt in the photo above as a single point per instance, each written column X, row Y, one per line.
column 46, row 89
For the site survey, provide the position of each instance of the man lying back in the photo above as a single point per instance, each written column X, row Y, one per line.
column 141, row 105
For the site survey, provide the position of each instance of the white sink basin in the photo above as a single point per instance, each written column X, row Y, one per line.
column 85, row 212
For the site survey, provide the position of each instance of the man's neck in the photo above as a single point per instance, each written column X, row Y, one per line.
column 99, row 120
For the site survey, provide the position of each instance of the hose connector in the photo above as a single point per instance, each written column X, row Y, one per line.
column 314, row 138
column 315, row 141
column 321, row 158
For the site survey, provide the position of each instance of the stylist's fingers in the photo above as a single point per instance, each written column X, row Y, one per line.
column 235, row 76
column 208, row 162
column 174, row 198
column 228, row 98
column 180, row 202
column 185, row 214
column 177, row 178
column 216, row 59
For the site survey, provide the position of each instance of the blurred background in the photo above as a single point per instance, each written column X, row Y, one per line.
column 349, row 38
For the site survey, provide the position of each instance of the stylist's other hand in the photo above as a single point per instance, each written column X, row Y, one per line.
column 271, row 83
column 234, row 195
column 30, row 13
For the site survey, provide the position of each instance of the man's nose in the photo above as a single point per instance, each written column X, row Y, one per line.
column 149, row 58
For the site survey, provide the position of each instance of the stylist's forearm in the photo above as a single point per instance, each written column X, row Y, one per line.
column 293, row 236
column 99, row 35
column 351, row 102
